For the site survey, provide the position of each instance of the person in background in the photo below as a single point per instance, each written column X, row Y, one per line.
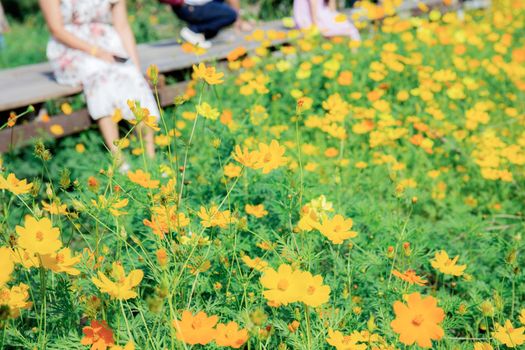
column 323, row 14
column 92, row 45
column 205, row 18
column 4, row 26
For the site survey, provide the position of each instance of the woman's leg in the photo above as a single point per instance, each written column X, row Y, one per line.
column 149, row 139
column 109, row 130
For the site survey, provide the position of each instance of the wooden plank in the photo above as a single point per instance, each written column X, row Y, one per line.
column 23, row 134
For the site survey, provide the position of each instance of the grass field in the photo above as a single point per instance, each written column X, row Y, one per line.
column 333, row 194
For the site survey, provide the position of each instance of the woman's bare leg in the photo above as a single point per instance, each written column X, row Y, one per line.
column 149, row 139
column 109, row 130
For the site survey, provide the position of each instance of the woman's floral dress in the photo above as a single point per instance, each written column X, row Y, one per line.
column 107, row 86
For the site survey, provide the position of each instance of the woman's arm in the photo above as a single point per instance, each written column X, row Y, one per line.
column 332, row 4
column 51, row 10
column 121, row 24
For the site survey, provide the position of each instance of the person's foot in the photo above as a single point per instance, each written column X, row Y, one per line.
column 193, row 38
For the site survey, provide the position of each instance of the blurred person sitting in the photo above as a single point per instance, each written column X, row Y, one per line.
column 205, row 18
column 323, row 15
column 92, row 45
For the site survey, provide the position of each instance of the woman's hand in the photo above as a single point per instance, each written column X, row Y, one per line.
column 103, row 55
column 243, row 26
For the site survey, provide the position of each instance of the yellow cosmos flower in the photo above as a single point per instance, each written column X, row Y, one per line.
column 287, row 286
column 314, row 293
column 446, row 265
column 122, row 287
column 208, row 74
column 38, row 236
column 270, row 157
column 283, row 285
column 62, row 261
column 6, row 265
column 508, row 335
column 142, row 115
column 230, row 335
column 207, row 111
column 143, row 179
column 165, row 219
column 55, row 208
column 213, row 217
column 15, row 299
column 129, row 346
column 12, row 184
column 231, row 170
column 256, row 210
column 245, row 157
column 482, row 346
column 337, row 229
column 345, row 342
column 522, row 316
column 25, row 258
column 256, row 264
column 114, row 206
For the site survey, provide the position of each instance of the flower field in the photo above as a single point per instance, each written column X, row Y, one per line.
column 324, row 195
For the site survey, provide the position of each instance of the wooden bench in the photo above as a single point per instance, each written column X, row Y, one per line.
column 34, row 84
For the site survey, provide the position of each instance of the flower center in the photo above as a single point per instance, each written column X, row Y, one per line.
column 418, row 320
column 282, row 285
column 39, row 236
column 310, row 290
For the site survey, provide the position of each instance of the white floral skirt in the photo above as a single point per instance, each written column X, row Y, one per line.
column 107, row 86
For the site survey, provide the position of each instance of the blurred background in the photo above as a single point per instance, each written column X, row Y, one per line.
column 26, row 40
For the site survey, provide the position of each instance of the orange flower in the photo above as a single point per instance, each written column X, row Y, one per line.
column 418, row 320
column 230, row 335
column 198, row 329
column 256, row 210
column 11, row 121
column 236, row 53
column 410, row 277
column 98, row 335
column 345, row 78
column 143, row 179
